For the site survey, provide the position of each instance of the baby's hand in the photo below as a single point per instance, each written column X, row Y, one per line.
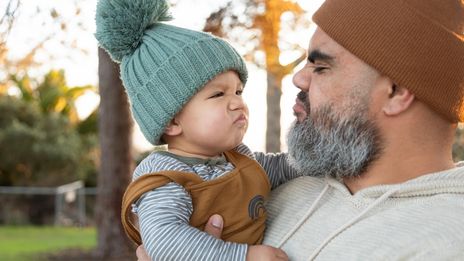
column 265, row 253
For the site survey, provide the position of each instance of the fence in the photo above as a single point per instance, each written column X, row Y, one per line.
column 69, row 200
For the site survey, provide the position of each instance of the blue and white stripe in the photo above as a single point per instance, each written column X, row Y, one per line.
column 164, row 213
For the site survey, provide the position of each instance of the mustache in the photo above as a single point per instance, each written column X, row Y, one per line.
column 303, row 98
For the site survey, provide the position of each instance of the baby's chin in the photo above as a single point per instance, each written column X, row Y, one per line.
column 237, row 142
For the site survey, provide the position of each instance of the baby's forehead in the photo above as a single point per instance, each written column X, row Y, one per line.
column 228, row 79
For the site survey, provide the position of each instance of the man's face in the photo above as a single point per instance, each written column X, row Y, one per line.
column 332, row 75
column 335, row 133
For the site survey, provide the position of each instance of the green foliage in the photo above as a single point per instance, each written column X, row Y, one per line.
column 89, row 125
column 42, row 141
column 27, row 243
column 458, row 146
column 52, row 94
column 36, row 148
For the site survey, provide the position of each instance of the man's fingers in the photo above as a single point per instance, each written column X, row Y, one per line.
column 282, row 255
column 214, row 226
column 142, row 254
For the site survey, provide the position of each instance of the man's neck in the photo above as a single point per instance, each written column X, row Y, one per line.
column 402, row 164
column 416, row 142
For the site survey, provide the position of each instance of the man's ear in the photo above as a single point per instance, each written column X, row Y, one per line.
column 399, row 100
column 173, row 128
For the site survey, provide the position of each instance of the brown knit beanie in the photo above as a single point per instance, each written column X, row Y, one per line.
column 419, row 44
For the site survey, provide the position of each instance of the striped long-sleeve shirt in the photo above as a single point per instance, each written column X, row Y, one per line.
column 164, row 213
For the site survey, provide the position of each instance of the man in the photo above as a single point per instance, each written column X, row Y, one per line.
column 381, row 95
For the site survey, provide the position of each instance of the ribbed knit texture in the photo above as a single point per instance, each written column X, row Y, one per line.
column 418, row 44
column 421, row 220
column 162, row 66
column 170, row 66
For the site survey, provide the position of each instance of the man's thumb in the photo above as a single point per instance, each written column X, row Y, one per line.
column 214, row 226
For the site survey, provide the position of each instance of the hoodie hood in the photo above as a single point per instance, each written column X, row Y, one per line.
column 444, row 182
column 447, row 181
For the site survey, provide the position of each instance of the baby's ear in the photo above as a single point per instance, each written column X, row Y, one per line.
column 173, row 128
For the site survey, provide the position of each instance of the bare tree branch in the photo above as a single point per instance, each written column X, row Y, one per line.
column 8, row 19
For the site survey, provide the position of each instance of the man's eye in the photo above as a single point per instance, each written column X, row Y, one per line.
column 319, row 69
column 239, row 92
column 217, row 95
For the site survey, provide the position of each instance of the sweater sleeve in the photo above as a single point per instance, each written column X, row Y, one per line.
column 164, row 215
column 274, row 164
column 277, row 168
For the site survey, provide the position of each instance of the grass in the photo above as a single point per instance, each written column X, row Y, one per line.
column 29, row 243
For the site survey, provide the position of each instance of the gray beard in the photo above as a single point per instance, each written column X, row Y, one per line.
column 325, row 144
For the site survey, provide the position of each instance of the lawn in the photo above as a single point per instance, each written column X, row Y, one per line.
column 29, row 243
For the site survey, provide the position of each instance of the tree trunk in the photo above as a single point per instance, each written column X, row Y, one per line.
column 115, row 129
column 274, row 93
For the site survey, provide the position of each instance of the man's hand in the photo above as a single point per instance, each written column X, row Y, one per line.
column 255, row 253
column 214, row 227
column 142, row 254
column 265, row 253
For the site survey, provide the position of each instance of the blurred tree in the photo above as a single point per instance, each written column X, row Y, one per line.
column 6, row 24
column 48, row 92
column 57, row 30
column 256, row 25
column 115, row 125
column 458, row 146
column 53, row 94
column 40, row 149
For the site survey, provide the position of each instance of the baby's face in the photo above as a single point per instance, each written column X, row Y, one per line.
column 216, row 118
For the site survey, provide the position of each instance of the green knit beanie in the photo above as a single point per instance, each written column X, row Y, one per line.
column 162, row 66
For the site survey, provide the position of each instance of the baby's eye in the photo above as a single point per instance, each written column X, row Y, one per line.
column 239, row 92
column 217, row 95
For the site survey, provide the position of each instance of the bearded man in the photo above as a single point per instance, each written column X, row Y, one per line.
column 381, row 95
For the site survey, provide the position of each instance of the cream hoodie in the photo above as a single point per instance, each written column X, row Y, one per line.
column 318, row 219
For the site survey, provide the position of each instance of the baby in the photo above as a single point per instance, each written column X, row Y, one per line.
column 185, row 90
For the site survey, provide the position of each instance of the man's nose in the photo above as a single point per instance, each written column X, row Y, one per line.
column 302, row 79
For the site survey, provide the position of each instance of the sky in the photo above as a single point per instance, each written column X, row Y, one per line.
column 81, row 61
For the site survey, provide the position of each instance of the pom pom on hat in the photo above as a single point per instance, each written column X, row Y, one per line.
column 121, row 24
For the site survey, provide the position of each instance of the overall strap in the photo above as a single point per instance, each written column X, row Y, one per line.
column 147, row 183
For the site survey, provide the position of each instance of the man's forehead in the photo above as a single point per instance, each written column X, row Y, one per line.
column 323, row 43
